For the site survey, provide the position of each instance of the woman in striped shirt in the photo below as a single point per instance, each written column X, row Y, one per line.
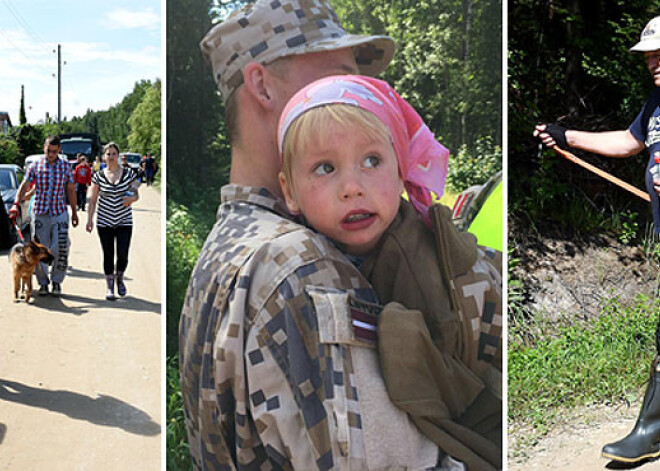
column 114, row 190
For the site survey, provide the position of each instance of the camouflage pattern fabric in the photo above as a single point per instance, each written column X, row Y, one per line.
column 480, row 297
column 270, row 29
column 441, row 353
column 272, row 373
column 476, row 291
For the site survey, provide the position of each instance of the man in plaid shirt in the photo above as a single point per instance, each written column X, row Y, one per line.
column 53, row 179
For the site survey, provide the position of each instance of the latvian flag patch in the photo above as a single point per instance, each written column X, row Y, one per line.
column 364, row 318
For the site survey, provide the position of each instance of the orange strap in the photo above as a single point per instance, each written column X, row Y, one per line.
column 601, row 173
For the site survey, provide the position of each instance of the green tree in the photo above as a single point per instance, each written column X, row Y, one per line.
column 193, row 106
column 568, row 63
column 144, row 123
column 9, row 151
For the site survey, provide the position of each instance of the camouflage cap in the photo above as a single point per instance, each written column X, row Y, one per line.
column 270, row 29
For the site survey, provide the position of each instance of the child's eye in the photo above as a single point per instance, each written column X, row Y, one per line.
column 323, row 169
column 372, row 161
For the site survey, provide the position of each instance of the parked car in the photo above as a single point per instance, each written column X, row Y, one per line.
column 11, row 177
column 134, row 161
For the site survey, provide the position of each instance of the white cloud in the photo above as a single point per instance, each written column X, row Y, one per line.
column 127, row 19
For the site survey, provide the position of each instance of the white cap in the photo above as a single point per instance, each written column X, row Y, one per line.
column 649, row 40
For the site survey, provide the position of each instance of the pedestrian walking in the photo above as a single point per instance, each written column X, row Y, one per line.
column 53, row 183
column 114, row 190
column 83, row 178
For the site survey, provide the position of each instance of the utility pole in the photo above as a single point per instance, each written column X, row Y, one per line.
column 59, row 83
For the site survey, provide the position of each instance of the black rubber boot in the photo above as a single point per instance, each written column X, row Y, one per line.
column 644, row 440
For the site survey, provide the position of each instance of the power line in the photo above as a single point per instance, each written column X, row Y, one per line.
column 16, row 14
column 32, row 61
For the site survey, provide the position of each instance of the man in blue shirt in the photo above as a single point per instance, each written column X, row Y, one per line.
column 644, row 440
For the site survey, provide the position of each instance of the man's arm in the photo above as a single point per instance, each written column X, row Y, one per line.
column 20, row 194
column 71, row 193
column 608, row 143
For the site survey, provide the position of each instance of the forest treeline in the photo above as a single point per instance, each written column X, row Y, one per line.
column 568, row 63
column 134, row 124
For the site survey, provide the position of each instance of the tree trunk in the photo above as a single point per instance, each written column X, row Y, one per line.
column 467, row 36
column 574, row 33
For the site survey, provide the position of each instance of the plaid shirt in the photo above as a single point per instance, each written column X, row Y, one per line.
column 51, row 182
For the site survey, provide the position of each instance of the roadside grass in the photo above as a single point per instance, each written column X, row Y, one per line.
column 178, row 454
column 571, row 363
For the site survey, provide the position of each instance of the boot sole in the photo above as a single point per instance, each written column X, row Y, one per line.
column 631, row 460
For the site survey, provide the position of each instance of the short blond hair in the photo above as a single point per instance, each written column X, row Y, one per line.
column 308, row 129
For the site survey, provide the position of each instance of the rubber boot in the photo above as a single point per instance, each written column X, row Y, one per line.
column 110, row 285
column 644, row 440
column 121, row 287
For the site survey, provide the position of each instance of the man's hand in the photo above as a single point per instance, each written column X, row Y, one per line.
column 74, row 219
column 551, row 135
column 14, row 211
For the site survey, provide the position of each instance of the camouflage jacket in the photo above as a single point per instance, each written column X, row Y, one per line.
column 273, row 373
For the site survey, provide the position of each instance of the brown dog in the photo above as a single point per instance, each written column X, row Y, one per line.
column 24, row 258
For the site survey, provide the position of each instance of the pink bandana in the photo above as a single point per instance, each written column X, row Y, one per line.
column 422, row 160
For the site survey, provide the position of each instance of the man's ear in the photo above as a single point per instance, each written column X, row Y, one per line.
column 289, row 199
column 256, row 80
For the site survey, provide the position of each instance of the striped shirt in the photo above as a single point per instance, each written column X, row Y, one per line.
column 110, row 209
column 50, row 182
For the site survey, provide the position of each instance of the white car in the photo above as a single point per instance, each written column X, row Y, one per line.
column 30, row 159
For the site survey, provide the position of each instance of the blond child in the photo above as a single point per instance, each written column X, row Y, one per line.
column 349, row 146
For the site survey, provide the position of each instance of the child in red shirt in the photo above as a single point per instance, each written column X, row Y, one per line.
column 83, row 178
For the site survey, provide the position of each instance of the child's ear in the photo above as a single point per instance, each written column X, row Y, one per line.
column 288, row 195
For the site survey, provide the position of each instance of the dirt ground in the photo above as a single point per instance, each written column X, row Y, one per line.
column 576, row 444
column 573, row 276
column 80, row 377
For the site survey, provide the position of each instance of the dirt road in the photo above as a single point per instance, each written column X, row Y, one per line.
column 577, row 444
column 80, row 377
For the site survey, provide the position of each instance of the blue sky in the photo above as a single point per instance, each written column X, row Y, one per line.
column 107, row 47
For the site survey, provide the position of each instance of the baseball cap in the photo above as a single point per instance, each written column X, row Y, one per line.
column 270, row 29
column 649, row 40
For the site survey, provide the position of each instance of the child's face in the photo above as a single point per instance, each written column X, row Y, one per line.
column 347, row 186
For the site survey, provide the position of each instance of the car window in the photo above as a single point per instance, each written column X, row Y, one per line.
column 20, row 174
column 6, row 178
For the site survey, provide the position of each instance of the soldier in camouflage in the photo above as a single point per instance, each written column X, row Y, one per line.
column 274, row 374
column 279, row 367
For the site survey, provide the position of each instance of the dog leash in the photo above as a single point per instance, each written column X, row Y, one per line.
column 18, row 231
column 601, row 173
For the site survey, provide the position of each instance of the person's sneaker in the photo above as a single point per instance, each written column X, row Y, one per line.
column 57, row 289
column 121, row 287
column 43, row 290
